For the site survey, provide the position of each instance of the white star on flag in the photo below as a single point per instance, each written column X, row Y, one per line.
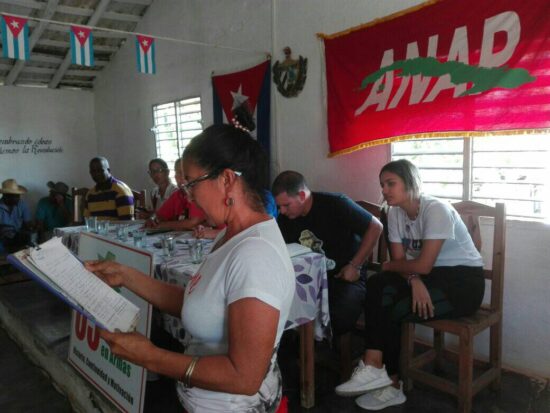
column 145, row 42
column 238, row 97
column 80, row 34
column 15, row 24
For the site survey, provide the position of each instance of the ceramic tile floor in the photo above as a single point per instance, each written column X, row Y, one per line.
column 25, row 388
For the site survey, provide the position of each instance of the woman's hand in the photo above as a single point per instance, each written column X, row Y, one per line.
column 133, row 347
column 111, row 272
column 349, row 273
column 421, row 300
column 198, row 231
column 151, row 223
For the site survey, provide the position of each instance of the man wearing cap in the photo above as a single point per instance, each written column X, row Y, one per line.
column 109, row 198
column 15, row 217
column 53, row 211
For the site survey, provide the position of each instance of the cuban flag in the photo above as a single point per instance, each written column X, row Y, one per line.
column 82, row 46
column 145, row 54
column 15, row 37
column 250, row 87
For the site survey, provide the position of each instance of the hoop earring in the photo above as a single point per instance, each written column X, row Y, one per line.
column 229, row 202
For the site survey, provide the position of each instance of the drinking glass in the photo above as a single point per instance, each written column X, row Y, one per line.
column 195, row 250
column 91, row 224
column 167, row 243
column 101, row 227
column 139, row 236
column 122, row 232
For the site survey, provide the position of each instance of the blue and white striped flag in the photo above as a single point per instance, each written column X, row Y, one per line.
column 145, row 54
column 15, row 37
column 82, row 46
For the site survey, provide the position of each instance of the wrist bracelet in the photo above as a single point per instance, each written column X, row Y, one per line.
column 410, row 277
column 357, row 267
column 189, row 372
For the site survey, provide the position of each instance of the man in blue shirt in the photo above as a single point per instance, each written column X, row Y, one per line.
column 53, row 211
column 15, row 217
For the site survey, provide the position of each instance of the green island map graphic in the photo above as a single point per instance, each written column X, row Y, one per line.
column 482, row 78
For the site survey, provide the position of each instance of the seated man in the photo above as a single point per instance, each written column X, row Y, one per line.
column 53, row 211
column 177, row 212
column 109, row 198
column 337, row 227
column 15, row 217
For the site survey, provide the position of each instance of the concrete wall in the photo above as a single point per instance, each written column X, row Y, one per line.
column 124, row 117
column 65, row 118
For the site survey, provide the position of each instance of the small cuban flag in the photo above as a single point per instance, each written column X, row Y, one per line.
column 145, row 54
column 82, row 46
column 15, row 37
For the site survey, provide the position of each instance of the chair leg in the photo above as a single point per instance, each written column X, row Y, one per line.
column 407, row 353
column 465, row 372
column 495, row 353
column 439, row 347
column 344, row 343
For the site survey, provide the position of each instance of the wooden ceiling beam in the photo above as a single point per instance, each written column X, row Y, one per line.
column 47, row 14
column 100, row 9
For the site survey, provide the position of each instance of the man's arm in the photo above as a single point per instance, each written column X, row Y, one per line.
column 351, row 271
column 124, row 203
column 361, row 222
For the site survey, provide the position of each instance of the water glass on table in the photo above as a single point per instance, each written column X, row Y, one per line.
column 102, row 227
column 139, row 236
column 91, row 224
column 167, row 242
column 195, row 251
column 122, row 232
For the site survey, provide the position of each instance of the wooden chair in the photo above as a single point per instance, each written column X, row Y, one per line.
column 139, row 201
column 379, row 255
column 466, row 328
column 79, row 203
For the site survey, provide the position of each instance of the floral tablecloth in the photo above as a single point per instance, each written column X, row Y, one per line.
column 310, row 299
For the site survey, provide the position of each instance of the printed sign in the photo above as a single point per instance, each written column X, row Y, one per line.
column 119, row 380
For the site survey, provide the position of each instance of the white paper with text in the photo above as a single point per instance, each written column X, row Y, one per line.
column 103, row 303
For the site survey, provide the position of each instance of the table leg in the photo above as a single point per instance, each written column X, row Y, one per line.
column 307, row 365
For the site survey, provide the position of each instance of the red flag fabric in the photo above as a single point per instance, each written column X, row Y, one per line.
column 443, row 68
column 237, row 87
column 81, row 33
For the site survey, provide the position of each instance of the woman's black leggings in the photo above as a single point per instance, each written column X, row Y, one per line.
column 455, row 292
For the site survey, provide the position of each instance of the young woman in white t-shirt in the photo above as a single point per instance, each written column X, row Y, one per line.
column 435, row 272
column 235, row 307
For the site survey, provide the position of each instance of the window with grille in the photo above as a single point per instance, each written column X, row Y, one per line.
column 512, row 169
column 176, row 123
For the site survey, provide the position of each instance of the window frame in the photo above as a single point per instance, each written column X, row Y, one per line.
column 178, row 138
column 468, row 180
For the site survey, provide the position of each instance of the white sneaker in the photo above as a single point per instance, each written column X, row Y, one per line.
column 382, row 398
column 363, row 379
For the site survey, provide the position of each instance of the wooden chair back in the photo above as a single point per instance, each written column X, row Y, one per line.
column 139, row 198
column 79, row 203
column 470, row 213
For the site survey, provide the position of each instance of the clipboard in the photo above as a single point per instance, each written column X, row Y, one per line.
column 79, row 292
column 19, row 260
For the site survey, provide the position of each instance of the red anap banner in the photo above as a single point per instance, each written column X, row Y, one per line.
column 448, row 66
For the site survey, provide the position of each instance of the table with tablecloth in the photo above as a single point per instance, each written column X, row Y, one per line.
column 309, row 312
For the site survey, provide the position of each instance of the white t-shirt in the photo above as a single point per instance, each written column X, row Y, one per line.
column 254, row 263
column 436, row 220
column 155, row 193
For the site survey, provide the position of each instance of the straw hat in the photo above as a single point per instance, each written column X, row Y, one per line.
column 9, row 186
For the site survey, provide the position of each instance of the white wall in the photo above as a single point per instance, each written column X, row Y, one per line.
column 63, row 116
column 124, row 98
column 124, row 116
